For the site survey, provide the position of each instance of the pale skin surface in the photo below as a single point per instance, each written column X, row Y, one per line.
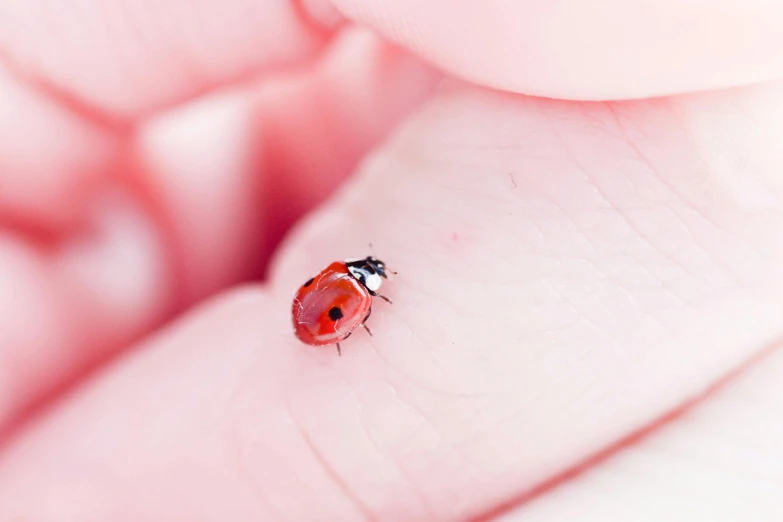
column 570, row 273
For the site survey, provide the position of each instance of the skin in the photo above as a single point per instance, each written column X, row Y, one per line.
column 590, row 291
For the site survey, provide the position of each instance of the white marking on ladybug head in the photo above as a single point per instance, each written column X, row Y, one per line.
column 369, row 278
column 373, row 282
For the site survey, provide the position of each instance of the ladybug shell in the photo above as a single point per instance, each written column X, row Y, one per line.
column 330, row 306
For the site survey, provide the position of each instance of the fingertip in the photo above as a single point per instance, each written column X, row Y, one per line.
column 127, row 59
column 579, row 50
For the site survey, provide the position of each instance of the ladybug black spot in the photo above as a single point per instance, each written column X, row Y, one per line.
column 335, row 313
column 309, row 282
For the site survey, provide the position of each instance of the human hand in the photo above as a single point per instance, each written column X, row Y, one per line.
column 571, row 274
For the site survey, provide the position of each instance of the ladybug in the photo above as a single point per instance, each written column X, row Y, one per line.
column 329, row 307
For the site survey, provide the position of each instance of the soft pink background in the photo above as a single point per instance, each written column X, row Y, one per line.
column 590, row 278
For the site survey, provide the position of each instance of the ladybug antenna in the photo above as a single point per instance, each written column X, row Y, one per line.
column 386, row 268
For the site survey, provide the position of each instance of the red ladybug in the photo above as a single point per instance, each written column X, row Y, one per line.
column 329, row 307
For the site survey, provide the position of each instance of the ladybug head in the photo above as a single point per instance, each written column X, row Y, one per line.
column 368, row 271
column 377, row 265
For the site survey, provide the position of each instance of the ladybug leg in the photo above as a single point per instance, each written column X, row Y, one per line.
column 376, row 294
column 364, row 323
column 339, row 352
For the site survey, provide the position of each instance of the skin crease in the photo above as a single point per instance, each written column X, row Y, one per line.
column 569, row 272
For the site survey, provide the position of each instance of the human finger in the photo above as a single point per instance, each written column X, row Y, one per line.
column 586, row 50
column 726, row 450
column 120, row 60
column 568, row 275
